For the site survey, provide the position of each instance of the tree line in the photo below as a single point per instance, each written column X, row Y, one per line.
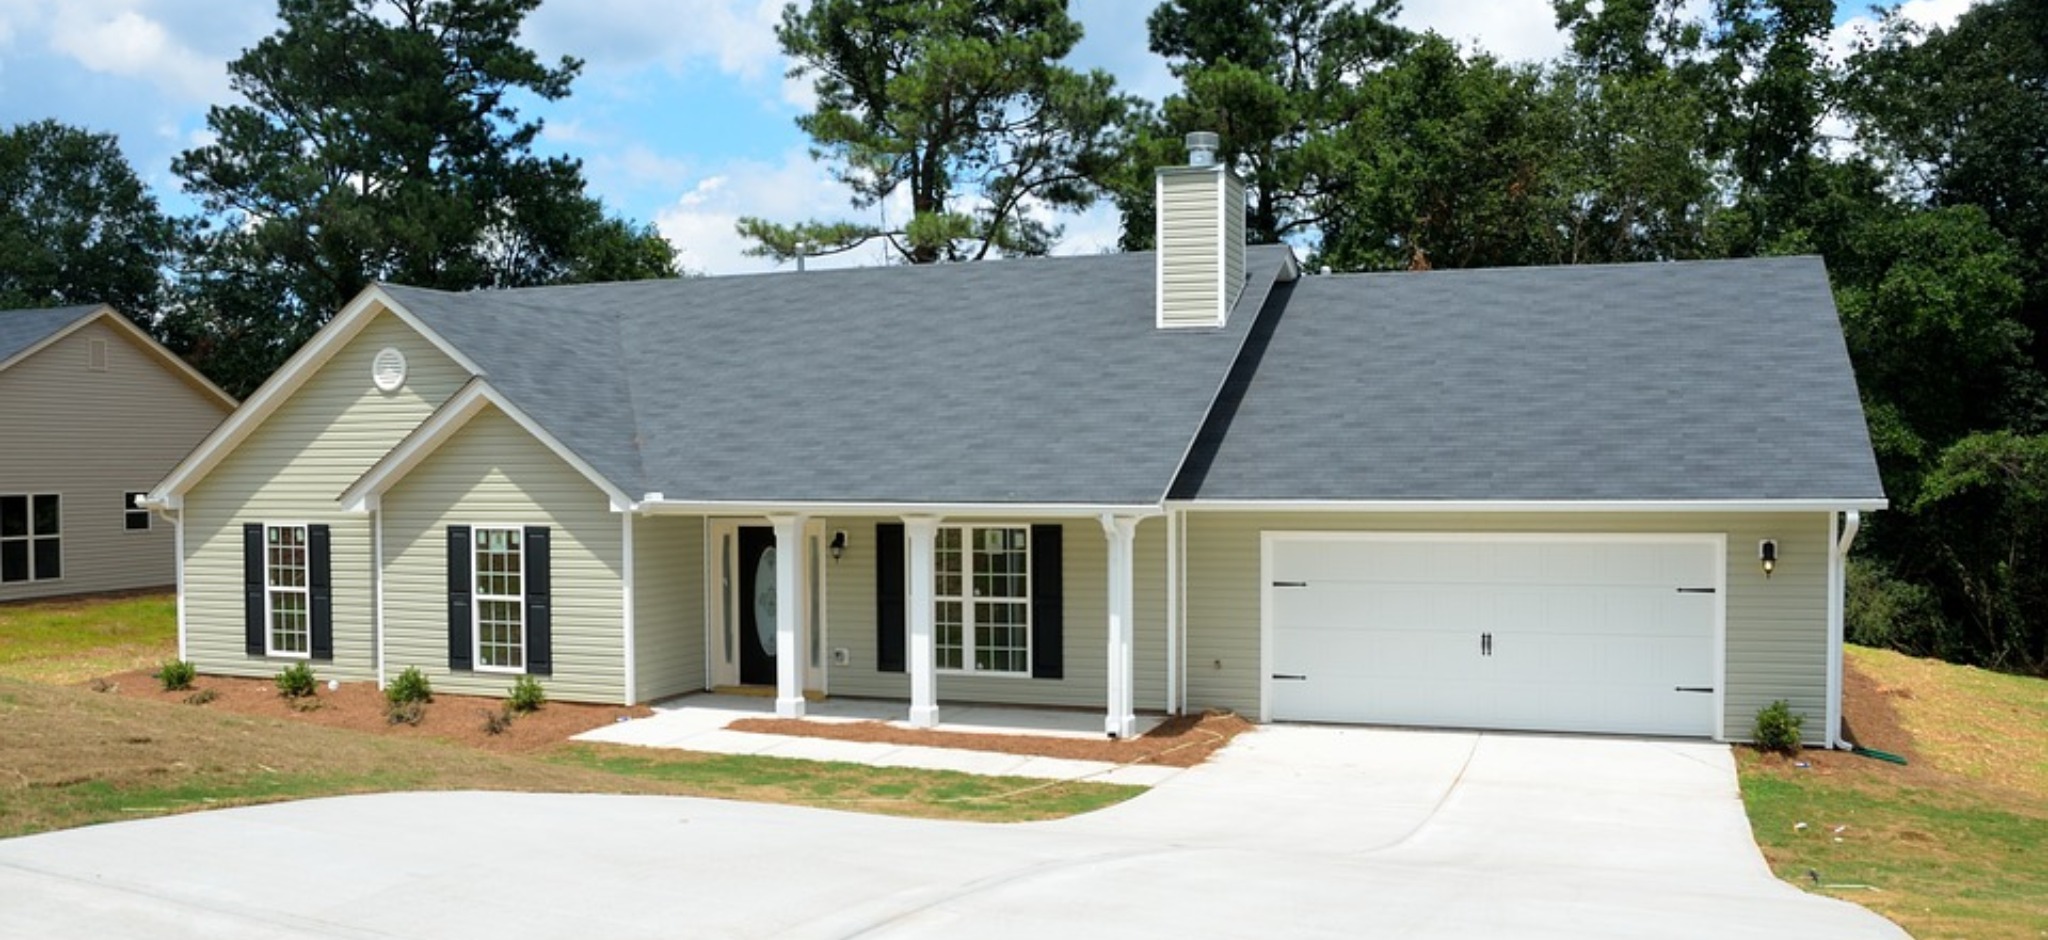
column 378, row 142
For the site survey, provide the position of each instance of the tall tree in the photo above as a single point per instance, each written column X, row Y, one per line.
column 959, row 105
column 76, row 224
column 1772, row 87
column 380, row 141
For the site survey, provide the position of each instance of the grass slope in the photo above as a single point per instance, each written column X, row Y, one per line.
column 74, row 640
column 1950, row 846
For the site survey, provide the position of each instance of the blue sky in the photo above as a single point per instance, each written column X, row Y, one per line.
column 682, row 116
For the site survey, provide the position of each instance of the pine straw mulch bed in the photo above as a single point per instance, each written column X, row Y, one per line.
column 359, row 706
column 1178, row 742
column 1870, row 720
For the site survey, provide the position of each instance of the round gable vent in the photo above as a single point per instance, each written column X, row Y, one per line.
column 388, row 369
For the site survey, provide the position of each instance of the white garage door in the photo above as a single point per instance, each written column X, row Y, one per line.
column 1544, row 633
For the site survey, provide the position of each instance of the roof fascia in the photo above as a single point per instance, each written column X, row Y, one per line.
column 441, row 427
column 288, row 379
column 57, row 335
column 655, row 504
column 1546, row 506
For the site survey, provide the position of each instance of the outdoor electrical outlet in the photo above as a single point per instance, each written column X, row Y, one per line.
column 841, row 656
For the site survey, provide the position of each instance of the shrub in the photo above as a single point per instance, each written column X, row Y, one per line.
column 410, row 687
column 498, row 722
column 1777, row 728
column 1884, row 610
column 527, row 695
column 200, row 697
column 296, row 681
column 176, row 675
column 405, row 713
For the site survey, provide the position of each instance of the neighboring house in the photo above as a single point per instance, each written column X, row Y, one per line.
column 1535, row 498
column 93, row 412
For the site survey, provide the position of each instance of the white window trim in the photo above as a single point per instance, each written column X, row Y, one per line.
column 31, row 536
column 967, row 601
column 269, row 609
column 129, row 497
column 477, row 597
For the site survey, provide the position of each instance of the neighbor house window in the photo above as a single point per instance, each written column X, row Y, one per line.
column 137, row 517
column 288, row 624
column 500, row 599
column 983, row 616
column 31, row 544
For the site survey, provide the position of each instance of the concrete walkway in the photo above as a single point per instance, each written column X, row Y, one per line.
column 698, row 723
column 1291, row 832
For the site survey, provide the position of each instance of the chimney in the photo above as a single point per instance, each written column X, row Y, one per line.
column 1199, row 238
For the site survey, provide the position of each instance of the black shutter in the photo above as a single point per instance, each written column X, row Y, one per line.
column 1048, row 649
column 889, row 623
column 458, row 598
column 252, row 588
column 321, row 580
column 540, row 647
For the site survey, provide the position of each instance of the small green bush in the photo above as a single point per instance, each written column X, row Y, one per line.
column 410, row 687
column 405, row 713
column 296, row 681
column 527, row 696
column 176, row 675
column 1777, row 728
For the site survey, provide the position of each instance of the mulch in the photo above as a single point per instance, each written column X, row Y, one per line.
column 1183, row 741
column 1870, row 719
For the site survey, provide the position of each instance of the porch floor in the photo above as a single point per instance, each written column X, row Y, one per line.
column 698, row 723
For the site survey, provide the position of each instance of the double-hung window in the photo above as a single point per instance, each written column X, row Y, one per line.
column 500, row 598
column 31, row 537
column 288, row 623
column 983, row 597
column 135, row 518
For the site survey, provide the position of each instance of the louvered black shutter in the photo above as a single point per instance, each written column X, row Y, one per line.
column 889, row 624
column 252, row 588
column 1048, row 641
column 319, row 578
column 540, row 647
column 459, row 586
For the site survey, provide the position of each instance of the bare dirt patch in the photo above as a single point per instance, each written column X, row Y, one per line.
column 1179, row 742
column 359, row 706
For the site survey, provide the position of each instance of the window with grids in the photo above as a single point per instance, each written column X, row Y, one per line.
column 499, row 569
column 31, row 543
column 983, row 620
column 288, row 629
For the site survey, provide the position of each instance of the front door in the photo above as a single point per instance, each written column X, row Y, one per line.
column 756, row 603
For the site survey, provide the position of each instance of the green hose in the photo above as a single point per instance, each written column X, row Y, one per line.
column 1861, row 751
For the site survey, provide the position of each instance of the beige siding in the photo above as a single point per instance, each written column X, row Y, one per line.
column 668, row 611
column 493, row 473
column 1085, row 572
column 1190, row 276
column 1776, row 628
column 91, row 437
column 292, row 468
column 1233, row 240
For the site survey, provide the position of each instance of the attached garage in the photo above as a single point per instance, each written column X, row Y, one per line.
column 1610, row 633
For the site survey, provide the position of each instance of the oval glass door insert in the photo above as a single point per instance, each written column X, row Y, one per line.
column 764, row 599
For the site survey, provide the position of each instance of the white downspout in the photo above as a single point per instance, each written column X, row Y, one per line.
column 1172, row 613
column 376, row 506
column 178, row 537
column 1838, row 572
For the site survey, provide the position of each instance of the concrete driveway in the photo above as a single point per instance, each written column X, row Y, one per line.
column 1293, row 831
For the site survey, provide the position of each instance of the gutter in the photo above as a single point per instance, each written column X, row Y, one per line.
column 1838, row 575
column 655, row 504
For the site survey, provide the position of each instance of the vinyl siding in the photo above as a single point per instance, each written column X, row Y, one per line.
column 850, row 609
column 91, row 437
column 668, row 612
column 1776, row 628
column 292, row 468
column 1190, row 275
column 492, row 472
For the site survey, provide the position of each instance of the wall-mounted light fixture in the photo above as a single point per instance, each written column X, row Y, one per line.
column 1767, row 555
column 838, row 546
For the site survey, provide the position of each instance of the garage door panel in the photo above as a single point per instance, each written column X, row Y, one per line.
column 1579, row 634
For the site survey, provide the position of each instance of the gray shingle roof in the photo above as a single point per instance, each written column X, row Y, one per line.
column 20, row 329
column 1028, row 381
column 1723, row 380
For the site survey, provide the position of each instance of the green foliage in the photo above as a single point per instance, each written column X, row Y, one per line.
column 410, row 686
column 77, row 226
column 201, row 697
column 1777, row 728
column 378, row 141
column 176, row 675
column 410, row 712
column 527, row 695
column 962, row 106
column 296, row 681
column 1888, row 611
column 1984, row 509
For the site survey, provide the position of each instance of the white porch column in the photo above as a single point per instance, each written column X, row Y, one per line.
column 1121, row 722
column 920, row 535
column 789, row 611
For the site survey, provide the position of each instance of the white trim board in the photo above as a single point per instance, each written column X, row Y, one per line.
column 1532, row 506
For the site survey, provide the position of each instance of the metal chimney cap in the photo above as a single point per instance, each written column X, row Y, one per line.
column 1202, row 146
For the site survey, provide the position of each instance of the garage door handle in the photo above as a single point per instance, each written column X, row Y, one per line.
column 1695, row 590
column 1291, row 678
column 1290, row 584
column 1694, row 688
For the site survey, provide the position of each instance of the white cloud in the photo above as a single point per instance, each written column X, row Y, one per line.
column 117, row 38
column 1513, row 30
column 628, row 35
column 1847, row 38
column 700, row 222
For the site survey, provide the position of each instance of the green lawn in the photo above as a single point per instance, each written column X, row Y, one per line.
column 1955, row 845
column 74, row 640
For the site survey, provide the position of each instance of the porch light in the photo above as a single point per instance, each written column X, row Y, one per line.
column 1767, row 555
column 838, row 546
